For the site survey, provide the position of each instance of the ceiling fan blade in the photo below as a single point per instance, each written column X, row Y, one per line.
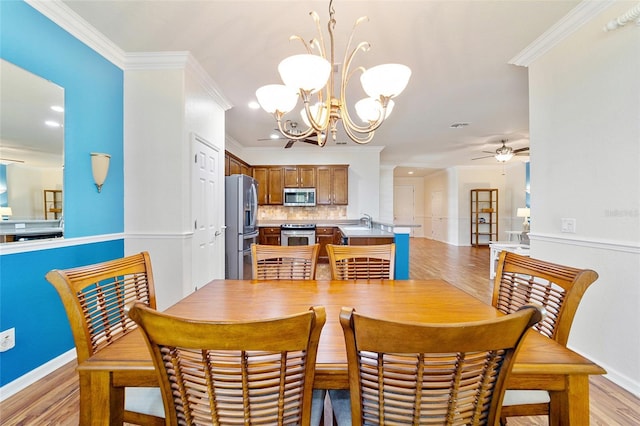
column 11, row 160
column 290, row 143
column 526, row 148
column 480, row 158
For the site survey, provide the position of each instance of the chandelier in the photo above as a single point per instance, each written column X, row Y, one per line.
column 310, row 76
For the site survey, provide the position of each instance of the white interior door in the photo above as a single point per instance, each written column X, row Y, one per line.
column 208, row 238
column 404, row 205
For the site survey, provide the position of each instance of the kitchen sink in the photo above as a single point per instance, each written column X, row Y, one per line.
column 355, row 228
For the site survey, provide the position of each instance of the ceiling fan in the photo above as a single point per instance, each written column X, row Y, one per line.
column 311, row 139
column 504, row 153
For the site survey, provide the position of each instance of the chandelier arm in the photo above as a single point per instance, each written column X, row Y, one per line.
column 314, row 123
column 358, row 139
column 320, row 41
column 304, row 43
column 346, row 76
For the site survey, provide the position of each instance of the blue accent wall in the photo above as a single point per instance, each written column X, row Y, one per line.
column 93, row 92
column 33, row 307
column 93, row 123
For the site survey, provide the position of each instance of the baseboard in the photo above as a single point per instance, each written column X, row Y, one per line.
column 33, row 376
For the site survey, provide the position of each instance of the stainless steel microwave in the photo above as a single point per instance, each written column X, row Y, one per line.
column 299, row 196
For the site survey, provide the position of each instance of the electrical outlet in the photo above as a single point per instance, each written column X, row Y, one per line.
column 7, row 339
column 568, row 225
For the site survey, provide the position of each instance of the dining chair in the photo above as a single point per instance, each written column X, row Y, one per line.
column 362, row 262
column 430, row 374
column 94, row 298
column 271, row 262
column 233, row 373
column 558, row 289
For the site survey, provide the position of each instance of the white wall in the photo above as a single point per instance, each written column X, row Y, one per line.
column 585, row 158
column 453, row 187
column 25, row 185
column 364, row 170
column 165, row 102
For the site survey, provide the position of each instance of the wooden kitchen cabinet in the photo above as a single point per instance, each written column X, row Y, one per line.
column 300, row 176
column 234, row 166
column 269, row 235
column 369, row 241
column 270, row 184
column 326, row 235
column 332, row 185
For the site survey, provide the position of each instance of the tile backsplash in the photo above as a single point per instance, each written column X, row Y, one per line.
column 302, row 213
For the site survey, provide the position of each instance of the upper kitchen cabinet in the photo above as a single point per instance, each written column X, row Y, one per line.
column 270, row 184
column 235, row 166
column 332, row 185
column 300, row 176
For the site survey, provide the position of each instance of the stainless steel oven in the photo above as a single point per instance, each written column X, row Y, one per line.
column 297, row 234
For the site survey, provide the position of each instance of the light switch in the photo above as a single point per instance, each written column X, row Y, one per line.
column 568, row 225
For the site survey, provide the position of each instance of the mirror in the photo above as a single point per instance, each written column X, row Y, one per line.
column 31, row 155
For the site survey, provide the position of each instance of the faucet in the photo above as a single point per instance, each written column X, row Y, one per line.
column 367, row 220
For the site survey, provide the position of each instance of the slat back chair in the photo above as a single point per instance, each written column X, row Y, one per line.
column 558, row 289
column 234, row 373
column 362, row 262
column 94, row 298
column 430, row 374
column 271, row 262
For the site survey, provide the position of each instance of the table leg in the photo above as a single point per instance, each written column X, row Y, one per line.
column 571, row 406
column 107, row 401
column 85, row 397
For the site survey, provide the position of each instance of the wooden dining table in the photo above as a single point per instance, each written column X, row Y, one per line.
column 541, row 363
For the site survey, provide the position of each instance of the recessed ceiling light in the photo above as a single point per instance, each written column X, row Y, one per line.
column 410, row 172
column 57, row 108
column 52, row 123
column 254, row 105
column 458, row 125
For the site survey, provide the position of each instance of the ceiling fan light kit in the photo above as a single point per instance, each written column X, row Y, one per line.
column 309, row 76
column 504, row 153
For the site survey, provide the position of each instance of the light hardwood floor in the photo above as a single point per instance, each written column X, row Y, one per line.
column 54, row 399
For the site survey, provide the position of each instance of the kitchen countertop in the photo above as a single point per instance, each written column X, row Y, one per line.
column 347, row 227
column 349, row 231
column 318, row 222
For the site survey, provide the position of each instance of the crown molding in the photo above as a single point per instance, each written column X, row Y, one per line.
column 74, row 24
column 571, row 22
column 176, row 60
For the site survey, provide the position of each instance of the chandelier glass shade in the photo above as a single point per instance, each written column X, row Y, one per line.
column 310, row 77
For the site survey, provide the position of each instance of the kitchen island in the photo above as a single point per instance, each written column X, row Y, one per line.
column 353, row 232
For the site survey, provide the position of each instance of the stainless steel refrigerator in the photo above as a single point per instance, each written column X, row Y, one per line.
column 241, row 215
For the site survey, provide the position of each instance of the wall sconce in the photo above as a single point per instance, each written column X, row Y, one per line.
column 5, row 212
column 100, row 168
column 526, row 213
